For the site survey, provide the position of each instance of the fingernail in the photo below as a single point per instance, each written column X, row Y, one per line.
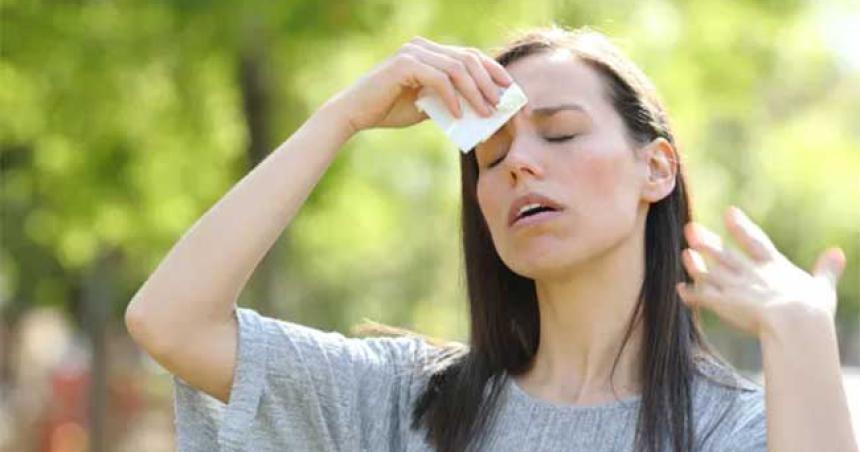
column 837, row 258
column 738, row 213
column 705, row 236
column 839, row 254
column 694, row 233
column 698, row 261
column 695, row 229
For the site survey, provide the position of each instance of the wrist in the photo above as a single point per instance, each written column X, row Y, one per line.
column 332, row 114
column 794, row 321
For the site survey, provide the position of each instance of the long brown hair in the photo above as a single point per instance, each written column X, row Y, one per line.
column 458, row 403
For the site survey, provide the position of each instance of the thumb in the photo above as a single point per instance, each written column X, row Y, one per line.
column 829, row 265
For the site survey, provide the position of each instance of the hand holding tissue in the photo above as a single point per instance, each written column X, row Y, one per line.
column 470, row 129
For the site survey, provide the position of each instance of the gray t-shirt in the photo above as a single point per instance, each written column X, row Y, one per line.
column 297, row 388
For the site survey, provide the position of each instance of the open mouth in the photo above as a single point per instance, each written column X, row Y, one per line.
column 534, row 212
column 533, row 207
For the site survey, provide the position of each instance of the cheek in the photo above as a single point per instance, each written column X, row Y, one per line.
column 487, row 201
column 600, row 180
column 602, row 186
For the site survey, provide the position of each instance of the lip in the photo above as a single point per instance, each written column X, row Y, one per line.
column 535, row 219
column 533, row 197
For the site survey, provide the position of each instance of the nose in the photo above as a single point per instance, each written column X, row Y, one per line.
column 524, row 158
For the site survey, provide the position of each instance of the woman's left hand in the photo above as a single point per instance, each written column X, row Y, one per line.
column 750, row 288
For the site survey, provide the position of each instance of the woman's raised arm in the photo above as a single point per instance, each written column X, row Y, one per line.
column 791, row 312
column 183, row 315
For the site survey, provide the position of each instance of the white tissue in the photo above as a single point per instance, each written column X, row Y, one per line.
column 470, row 129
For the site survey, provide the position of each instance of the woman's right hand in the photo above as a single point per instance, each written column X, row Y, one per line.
column 385, row 96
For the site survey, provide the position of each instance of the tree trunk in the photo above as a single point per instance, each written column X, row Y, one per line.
column 98, row 294
column 256, row 92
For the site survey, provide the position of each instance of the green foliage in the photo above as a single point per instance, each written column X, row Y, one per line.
column 123, row 122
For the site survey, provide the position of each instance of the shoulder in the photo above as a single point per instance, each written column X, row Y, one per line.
column 717, row 375
column 419, row 353
column 294, row 349
column 728, row 408
column 320, row 388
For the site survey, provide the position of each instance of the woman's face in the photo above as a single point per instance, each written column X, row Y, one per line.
column 594, row 177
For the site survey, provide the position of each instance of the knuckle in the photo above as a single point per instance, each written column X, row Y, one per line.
column 478, row 56
column 457, row 69
column 440, row 77
column 472, row 60
column 404, row 59
column 417, row 40
column 402, row 63
column 409, row 47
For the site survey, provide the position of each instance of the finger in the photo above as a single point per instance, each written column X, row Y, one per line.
column 459, row 73
column 478, row 63
column 488, row 87
column 498, row 72
column 698, row 270
column 711, row 245
column 695, row 295
column 752, row 239
column 830, row 265
column 426, row 75
column 473, row 64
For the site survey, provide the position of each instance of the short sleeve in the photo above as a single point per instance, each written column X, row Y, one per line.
column 729, row 410
column 732, row 420
column 300, row 388
column 749, row 432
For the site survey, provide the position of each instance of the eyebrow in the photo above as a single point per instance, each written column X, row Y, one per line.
column 544, row 112
column 547, row 111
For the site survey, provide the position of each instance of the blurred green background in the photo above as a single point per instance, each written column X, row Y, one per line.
column 124, row 121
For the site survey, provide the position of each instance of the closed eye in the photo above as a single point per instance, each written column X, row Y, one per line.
column 550, row 139
column 559, row 139
column 499, row 160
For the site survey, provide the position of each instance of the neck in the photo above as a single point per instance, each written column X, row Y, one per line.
column 583, row 321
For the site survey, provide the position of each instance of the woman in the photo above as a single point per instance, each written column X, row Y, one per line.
column 583, row 269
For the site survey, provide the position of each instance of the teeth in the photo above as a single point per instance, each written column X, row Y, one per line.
column 527, row 207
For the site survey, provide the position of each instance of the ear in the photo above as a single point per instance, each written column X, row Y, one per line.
column 661, row 165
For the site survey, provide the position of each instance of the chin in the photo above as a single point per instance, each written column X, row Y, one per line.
column 540, row 263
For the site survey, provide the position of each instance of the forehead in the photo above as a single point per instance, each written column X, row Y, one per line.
column 557, row 76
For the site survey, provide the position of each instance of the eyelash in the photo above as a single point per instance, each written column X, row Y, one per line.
column 550, row 139
column 559, row 139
